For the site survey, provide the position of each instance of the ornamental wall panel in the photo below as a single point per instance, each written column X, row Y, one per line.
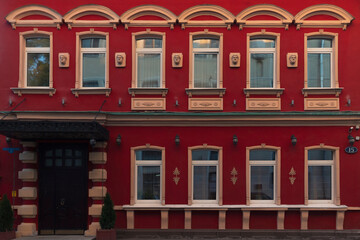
column 148, row 104
column 321, row 104
column 263, row 104
column 205, row 104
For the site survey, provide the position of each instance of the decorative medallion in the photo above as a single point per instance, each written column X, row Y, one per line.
column 292, row 173
column 234, row 174
column 176, row 179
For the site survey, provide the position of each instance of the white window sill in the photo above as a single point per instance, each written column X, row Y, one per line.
column 321, row 91
column 78, row 91
column 148, row 91
column 205, row 91
column 34, row 90
column 263, row 91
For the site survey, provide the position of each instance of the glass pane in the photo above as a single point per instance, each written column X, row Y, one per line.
column 320, row 154
column 319, row 70
column 38, row 42
column 319, row 182
column 206, row 43
column 148, row 184
column 94, row 70
column 262, row 155
column 68, row 162
column 58, row 152
column 319, row 43
column 262, row 70
column 148, row 155
column 78, row 162
column 148, row 70
column 149, row 43
column 68, row 152
column 78, row 153
column 262, row 182
column 48, row 162
column 49, row 153
column 262, row 43
column 38, row 69
column 204, row 183
column 93, row 43
column 58, row 162
column 205, row 71
column 205, row 154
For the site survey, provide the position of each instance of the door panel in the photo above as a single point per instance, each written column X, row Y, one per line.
column 63, row 188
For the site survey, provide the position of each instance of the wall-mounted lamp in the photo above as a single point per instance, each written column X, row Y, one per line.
column 177, row 139
column 118, row 139
column 235, row 139
column 10, row 102
column 351, row 140
column 293, row 140
column 92, row 142
column 63, row 101
column 234, row 102
column 177, row 103
column 119, row 103
column 349, row 102
column 292, row 102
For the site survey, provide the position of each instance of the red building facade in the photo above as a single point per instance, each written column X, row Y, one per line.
column 199, row 115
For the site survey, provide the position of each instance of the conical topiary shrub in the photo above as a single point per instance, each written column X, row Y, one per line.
column 6, row 215
column 108, row 216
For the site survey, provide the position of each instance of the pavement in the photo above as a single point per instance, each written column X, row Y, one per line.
column 57, row 237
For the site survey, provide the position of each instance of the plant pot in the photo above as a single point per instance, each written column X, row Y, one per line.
column 7, row 235
column 105, row 234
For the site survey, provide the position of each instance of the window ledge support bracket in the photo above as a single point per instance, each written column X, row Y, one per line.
column 148, row 91
column 78, row 91
column 263, row 91
column 321, row 91
column 205, row 91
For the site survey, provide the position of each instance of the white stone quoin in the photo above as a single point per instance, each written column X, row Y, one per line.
column 98, row 157
column 26, row 229
column 95, row 210
column 27, row 211
column 98, row 175
column 28, row 175
column 28, row 193
column 97, row 192
column 92, row 229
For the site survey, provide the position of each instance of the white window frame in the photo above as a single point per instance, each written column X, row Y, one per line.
column 219, row 181
column 193, row 51
column 79, row 62
column 335, row 174
column 206, row 51
column 276, row 51
column 24, row 57
column 334, row 57
column 277, row 173
column 134, row 174
column 135, row 51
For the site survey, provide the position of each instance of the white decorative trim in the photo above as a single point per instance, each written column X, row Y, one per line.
column 92, row 229
column 15, row 17
column 148, row 104
column 71, row 17
column 343, row 17
column 27, row 211
column 129, row 17
column 95, row 210
column 97, row 193
column 321, row 104
column 205, row 104
column 28, row 175
column 263, row 104
column 226, row 18
column 98, row 175
column 285, row 18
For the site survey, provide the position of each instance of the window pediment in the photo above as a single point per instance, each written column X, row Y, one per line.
column 23, row 17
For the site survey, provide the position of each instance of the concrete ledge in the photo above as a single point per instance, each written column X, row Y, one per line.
column 26, row 230
column 97, row 192
column 27, row 211
column 98, row 175
column 95, row 210
column 29, row 193
column 92, row 229
column 28, row 175
column 98, row 157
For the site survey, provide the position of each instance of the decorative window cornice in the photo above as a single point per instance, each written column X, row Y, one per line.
column 284, row 17
column 343, row 17
column 71, row 18
column 225, row 17
column 129, row 17
column 15, row 18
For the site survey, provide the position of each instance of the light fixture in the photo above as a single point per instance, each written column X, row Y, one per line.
column 92, row 142
column 293, row 140
column 235, row 139
column 119, row 102
column 118, row 139
column 8, row 140
column 63, row 101
column 176, row 103
column 351, row 140
column 349, row 102
column 177, row 139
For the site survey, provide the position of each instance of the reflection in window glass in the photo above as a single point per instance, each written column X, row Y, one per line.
column 148, row 155
column 205, row 154
column 262, row 154
column 320, row 154
column 93, row 43
column 319, row 182
column 206, row 43
column 262, row 182
column 149, row 43
column 148, row 183
column 38, row 42
column 205, row 183
column 94, row 70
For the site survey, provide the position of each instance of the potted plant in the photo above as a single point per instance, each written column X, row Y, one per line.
column 107, row 221
column 6, row 220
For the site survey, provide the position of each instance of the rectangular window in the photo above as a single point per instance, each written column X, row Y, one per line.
column 148, row 175
column 262, row 63
column 93, row 60
column 320, row 175
column 206, row 62
column 37, row 59
column 205, row 177
column 262, row 175
column 320, row 63
column 149, row 62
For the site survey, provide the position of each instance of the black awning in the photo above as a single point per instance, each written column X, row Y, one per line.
column 46, row 130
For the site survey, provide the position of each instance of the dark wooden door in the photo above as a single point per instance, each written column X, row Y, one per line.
column 63, row 188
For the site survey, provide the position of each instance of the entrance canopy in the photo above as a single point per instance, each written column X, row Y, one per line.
column 46, row 130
